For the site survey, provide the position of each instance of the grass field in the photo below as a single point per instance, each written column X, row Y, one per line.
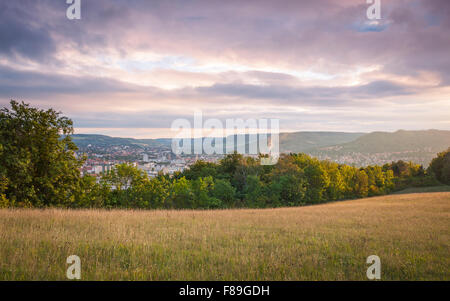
column 409, row 232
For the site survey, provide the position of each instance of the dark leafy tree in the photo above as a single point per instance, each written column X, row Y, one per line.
column 224, row 192
column 38, row 157
column 440, row 167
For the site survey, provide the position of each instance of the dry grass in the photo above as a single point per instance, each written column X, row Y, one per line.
column 409, row 232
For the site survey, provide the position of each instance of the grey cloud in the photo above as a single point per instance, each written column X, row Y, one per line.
column 14, row 83
column 378, row 89
column 27, row 84
column 333, row 96
column 19, row 36
column 150, row 119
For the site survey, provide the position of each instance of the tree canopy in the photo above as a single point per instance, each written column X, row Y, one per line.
column 38, row 166
column 440, row 166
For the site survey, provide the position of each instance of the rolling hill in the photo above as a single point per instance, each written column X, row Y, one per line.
column 385, row 147
column 83, row 140
column 289, row 142
column 358, row 149
column 304, row 141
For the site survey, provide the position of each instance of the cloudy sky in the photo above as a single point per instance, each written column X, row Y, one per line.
column 129, row 68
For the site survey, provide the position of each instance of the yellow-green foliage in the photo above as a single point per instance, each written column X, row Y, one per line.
column 410, row 233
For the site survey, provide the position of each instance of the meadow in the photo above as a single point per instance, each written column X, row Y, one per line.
column 409, row 232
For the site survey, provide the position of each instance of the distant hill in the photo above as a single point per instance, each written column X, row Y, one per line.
column 359, row 149
column 304, row 141
column 385, row 147
column 83, row 140
column 400, row 141
column 289, row 142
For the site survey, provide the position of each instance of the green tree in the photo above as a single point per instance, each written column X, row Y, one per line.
column 288, row 182
column 91, row 194
column 376, row 180
column 181, row 194
column 318, row 181
column 124, row 176
column 229, row 164
column 361, row 184
column 348, row 174
column 224, row 192
column 336, row 187
column 200, row 169
column 389, row 183
column 440, row 167
column 400, row 168
column 159, row 193
column 255, row 192
column 38, row 157
column 202, row 189
column 127, row 184
column 246, row 167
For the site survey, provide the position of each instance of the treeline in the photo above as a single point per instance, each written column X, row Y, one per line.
column 238, row 181
column 38, row 168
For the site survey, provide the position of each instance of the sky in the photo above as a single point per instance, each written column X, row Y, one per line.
column 130, row 68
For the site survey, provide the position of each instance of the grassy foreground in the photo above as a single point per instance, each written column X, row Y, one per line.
column 409, row 232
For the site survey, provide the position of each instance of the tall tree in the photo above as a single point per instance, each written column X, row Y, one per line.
column 38, row 156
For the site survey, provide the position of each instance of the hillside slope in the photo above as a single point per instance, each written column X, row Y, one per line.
column 303, row 141
column 383, row 147
column 289, row 142
column 83, row 140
